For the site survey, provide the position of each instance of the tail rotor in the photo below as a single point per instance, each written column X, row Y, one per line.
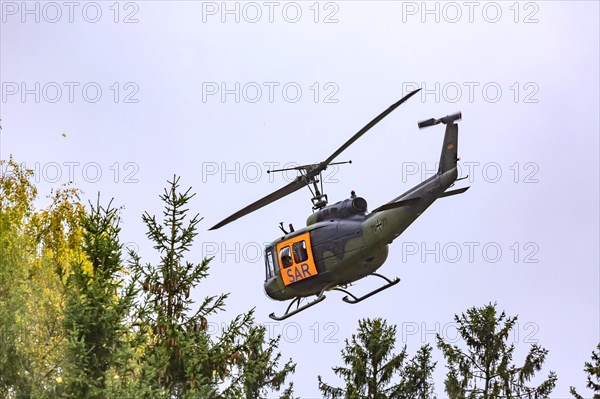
column 445, row 120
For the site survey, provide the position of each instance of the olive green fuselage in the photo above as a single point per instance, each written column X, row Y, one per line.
column 348, row 244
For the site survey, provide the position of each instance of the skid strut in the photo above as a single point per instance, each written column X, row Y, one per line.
column 349, row 298
column 299, row 308
column 354, row 299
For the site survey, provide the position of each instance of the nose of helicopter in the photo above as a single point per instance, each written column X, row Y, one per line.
column 273, row 291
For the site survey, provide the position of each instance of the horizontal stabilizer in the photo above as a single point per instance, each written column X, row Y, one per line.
column 454, row 192
column 394, row 205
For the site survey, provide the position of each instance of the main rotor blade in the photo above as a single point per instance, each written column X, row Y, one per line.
column 310, row 172
column 362, row 131
column 296, row 185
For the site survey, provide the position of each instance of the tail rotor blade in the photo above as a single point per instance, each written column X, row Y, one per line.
column 428, row 122
column 445, row 120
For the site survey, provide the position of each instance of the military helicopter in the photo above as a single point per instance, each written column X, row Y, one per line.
column 342, row 243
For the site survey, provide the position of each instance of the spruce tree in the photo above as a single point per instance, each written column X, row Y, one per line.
column 373, row 371
column 98, row 304
column 417, row 380
column 593, row 376
column 258, row 364
column 484, row 368
column 181, row 360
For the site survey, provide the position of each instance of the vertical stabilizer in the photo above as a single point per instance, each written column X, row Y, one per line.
column 449, row 154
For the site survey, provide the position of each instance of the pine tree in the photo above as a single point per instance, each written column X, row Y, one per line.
column 593, row 376
column 99, row 302
column 417, row 381
column 374, row 372
column 258, row 364
column 484, row 369
column 181, row 360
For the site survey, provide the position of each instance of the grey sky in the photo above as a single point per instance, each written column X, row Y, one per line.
column 186, row 89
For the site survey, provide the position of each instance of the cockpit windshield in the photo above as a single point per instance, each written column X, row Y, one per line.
column 270, row 268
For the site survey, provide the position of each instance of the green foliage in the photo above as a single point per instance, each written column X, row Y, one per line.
column 258, row 366
column 484, row 369
column 374, row 372
column 98, row 305
column 418, row 381
column 181, row 359
column 16, row 205
column 34, row 245
column 592, row 369
column 77, row 323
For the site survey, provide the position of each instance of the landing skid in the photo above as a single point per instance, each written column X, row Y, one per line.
column 299, row 308
column 349, row 298
column 354, row 299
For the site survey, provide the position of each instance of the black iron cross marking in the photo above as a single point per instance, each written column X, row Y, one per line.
column 378, row 226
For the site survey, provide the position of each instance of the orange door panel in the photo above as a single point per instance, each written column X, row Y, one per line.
column 296, row 261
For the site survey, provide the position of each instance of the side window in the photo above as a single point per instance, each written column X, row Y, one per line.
column 285, row 256
column 300, row 253
column 270, row 266
column 272, row 263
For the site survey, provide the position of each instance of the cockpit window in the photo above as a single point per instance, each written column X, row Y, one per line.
column 300, row 253
column 269, row 264
column 285, row 256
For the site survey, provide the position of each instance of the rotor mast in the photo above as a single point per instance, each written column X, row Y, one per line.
column 312, row 175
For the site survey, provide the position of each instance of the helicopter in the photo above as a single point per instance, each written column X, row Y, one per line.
column 342, row 243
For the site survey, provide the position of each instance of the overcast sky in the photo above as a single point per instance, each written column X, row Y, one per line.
column 118, row 97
